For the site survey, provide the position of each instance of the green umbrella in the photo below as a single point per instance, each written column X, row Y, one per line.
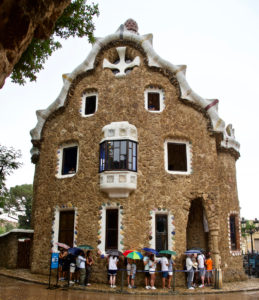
column 167, row 252
column 86, row 247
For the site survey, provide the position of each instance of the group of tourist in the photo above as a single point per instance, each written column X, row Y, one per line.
column 198, row 269
column 78, row 269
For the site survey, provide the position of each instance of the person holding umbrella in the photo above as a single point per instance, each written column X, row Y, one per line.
column 190, row 272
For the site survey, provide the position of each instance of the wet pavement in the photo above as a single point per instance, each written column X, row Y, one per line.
column 12, row 289
column 25, row 289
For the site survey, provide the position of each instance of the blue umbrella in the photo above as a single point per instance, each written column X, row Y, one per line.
column 150, row 250
column 192, row 251
column 74, row 251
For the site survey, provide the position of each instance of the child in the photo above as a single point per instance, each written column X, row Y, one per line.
column 112, row 269
column 129, row 272
column 208, row 263
column 133, row 273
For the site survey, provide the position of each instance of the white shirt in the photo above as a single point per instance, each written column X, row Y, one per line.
column 82, row 260
column 164, row 264
column 201, row 259
column 113, row 263
column 189, row 263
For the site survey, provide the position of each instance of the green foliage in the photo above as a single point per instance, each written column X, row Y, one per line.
column 76, row 20
column 247, row 228
column 20, row 200
column 9, row 161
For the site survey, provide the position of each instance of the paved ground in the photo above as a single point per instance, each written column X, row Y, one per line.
column 26, row 275
column 13, row 289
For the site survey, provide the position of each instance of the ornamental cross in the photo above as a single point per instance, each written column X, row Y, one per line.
column 122, row 66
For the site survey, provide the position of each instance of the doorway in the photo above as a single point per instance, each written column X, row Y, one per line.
column 197, row 232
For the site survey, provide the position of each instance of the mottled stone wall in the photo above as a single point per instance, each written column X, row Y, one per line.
column 122, row 99
column 20, row 21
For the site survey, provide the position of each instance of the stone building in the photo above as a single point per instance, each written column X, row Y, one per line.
column 129, row 156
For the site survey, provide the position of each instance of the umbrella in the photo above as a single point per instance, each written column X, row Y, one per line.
column 127, row 252
column 74, row 251
column 192, row 252
column 62, row 245
column 114, row 252
column 86, row 247
column 135, row 255
column 167, row 252
column 150, row 250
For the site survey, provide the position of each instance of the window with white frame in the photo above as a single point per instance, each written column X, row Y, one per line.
column 154, row 100
column 177, row 157
column 161, row 232
column 89, row 104
column 67, row 160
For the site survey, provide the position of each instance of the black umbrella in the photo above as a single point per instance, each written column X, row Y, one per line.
column 114, row 252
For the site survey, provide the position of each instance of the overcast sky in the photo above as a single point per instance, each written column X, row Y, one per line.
column 218, row 40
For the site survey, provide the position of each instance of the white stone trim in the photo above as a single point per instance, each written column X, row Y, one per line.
column 102, row 225
column 60, row 160
column 83, row 100
column 153, row 89
column 188, row 156
column 120, row 131
column 17, row 231
column 55, row 225
column 145, row 41
column 234, row 252
column 170, row 229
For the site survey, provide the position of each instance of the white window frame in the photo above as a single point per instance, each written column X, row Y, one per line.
column 188, row 157
column 85, row 95
column 161, row 99
column 55, row 226
column 60, row 160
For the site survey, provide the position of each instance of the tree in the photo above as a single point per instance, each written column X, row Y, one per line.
column 9, row 161
column 19, row 200
column 76, row 20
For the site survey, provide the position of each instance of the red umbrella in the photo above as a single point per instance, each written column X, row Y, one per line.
column 127, row 252
column 62, row 245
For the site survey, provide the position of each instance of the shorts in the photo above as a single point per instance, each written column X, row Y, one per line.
column 112, row 272
column 147, row 275
column 152, row 271
column 209, row 273
column 164, row 274
column 133, row 276
column 72, row 268
column 170, row 273
column 202, row 272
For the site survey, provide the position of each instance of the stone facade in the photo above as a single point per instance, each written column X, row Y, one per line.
column 205, row 195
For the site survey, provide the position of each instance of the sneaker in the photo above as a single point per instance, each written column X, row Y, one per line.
column 129, row 286
column 147, row 287
column 201, row 286
column 111, row 286
column 88, row 284
column 71, row 282
column 191, row 288
column 153, row 288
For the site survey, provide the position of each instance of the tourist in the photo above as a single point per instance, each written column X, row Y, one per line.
column 195, row 270
column 164, row 268
column 60, row 265
column 129, row 272
column 146, row 270
column 112, row 269
column 170, row 270
column 152, row 270
column 201, row 265
column 88, row 266
column 81, row 261
column 208, row 263
column 190, row 271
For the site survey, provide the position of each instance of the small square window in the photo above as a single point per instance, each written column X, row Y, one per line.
column 90, row 105
column 69, row 160
column 153, row 101
column 177, row 157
